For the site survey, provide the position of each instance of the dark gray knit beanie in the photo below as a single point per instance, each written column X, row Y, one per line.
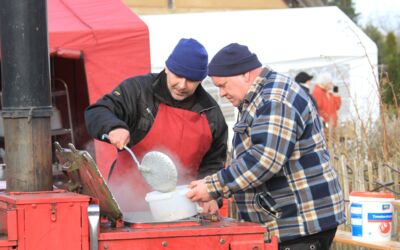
column 234, row 59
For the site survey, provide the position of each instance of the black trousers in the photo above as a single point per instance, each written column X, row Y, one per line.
column 319, row 241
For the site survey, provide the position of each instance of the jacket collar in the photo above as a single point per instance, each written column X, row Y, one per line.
column 255, row 88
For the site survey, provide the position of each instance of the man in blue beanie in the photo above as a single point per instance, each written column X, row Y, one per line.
column 168, row 112
column 280, row 174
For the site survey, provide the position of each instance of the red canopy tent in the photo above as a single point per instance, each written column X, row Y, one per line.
column 95, row 44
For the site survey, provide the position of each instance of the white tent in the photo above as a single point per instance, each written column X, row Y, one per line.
column 287, row 40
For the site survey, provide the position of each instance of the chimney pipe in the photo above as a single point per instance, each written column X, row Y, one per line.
column 26, row 96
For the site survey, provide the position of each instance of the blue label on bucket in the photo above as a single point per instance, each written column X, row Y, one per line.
column 356, row 216
column 379, row 217
column 356, row 230
column 356, row 211
column 356, row 220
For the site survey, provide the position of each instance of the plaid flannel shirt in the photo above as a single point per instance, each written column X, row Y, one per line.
column 280, row 175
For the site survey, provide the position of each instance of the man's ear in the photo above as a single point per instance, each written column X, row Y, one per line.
column 246, row 76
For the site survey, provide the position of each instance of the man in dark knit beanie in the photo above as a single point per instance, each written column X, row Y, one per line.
column 168, row 112
column 280, row 174
column 234, row 59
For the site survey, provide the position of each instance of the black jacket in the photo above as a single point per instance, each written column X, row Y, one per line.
column 134, row 103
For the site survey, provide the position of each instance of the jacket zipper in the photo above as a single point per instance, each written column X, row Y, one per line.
column 151, row 114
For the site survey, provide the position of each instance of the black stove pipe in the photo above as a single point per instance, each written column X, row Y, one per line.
column 26, row 95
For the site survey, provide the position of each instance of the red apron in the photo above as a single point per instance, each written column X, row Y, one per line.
column 183, row 135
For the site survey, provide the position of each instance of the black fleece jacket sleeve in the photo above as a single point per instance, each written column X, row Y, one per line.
column 115, row 110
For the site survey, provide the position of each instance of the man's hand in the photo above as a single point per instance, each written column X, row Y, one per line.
column 198, row 191
column 119, row 137
column 209, row 207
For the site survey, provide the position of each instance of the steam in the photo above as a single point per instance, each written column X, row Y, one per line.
column 129, row 196
column 129, row 187
column 89, row 147
column 186, row 174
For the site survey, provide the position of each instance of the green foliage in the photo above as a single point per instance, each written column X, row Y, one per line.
column 346, row 6
column 376, row 36
column 391, row 58
column 388, row 55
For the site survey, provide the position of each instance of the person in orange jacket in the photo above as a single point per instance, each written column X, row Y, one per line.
column 328, row 100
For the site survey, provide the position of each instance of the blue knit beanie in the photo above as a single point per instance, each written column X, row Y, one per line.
column 234, row 59
column 189, row 60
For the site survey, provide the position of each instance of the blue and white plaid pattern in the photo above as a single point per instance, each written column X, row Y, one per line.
column 280, row 175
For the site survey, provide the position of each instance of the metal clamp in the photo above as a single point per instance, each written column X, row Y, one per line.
column 94, row 219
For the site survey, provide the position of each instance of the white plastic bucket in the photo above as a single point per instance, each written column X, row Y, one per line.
column 171, row 206
column 371, row 216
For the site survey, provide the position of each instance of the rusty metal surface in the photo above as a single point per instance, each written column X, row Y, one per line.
column 25, row 100
column 86, row 178
column 28, row 154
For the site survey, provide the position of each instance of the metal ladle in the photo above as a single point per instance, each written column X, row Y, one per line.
column 157, row 168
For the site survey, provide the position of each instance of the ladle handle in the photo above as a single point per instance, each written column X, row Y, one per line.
column 133, row 155
column 105, row 138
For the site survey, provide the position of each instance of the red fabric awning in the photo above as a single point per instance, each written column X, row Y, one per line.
column 113, row 41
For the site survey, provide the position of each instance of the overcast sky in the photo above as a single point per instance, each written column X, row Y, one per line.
column 384, row 14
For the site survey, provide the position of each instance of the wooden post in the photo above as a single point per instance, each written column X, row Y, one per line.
column 345, row 185
column 358, row 176
column 370, row 176
column 345, row 177
column 396, row 220
column 389, row 173
column 381, row 178
column 396, row 179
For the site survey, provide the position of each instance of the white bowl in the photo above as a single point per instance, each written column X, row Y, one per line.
column 171, row 206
